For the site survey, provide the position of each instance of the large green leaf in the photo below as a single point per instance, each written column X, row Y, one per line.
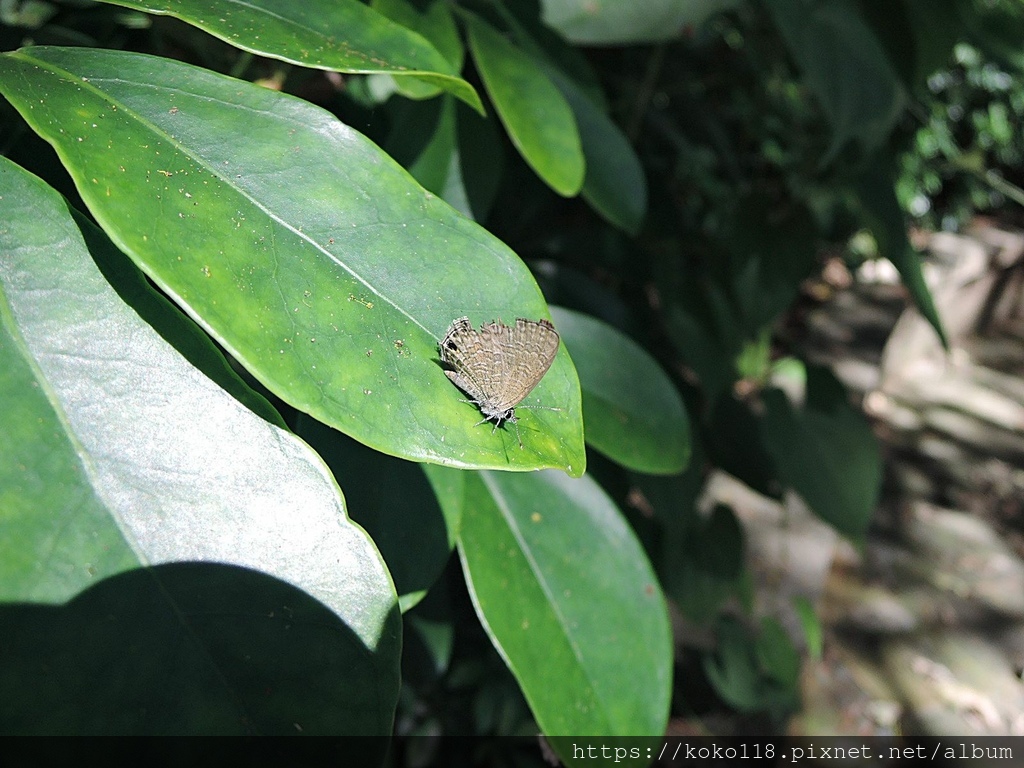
column 536, row 115
column 343, row 35
column 825, row 451
column 564, row 589
column 614, row 183
column 619, row 22
column 845, row 67
column 298, row 245
column 117, row 454
column 632, row 412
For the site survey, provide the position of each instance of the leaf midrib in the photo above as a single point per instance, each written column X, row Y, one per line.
column 201, row 162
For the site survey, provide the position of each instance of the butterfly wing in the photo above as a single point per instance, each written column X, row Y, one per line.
column 527, row 354
column 467, row 354
column 498, row 365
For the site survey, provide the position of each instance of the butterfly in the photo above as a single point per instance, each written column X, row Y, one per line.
column 498, row 365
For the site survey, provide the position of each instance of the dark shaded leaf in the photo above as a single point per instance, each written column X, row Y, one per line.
column 632, row 411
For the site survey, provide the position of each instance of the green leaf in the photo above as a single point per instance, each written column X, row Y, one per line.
column 702, row 322
column 881, row 210
column 117, row 455
column 811, row 625
column 194, row 649
column 707, row 569
column 481, row 160
column 393, row 501
column 776, row 654
column 164, row 318
column 699, row 593
column 614, row 183
column 632, row 411
column 536, row 115
column 427, row 642
column 673, row 501
column 568, row 597
column 744, row 672
column 735, row 442
column 845, row 67
column 918, row 35
column 342, row 35
column 299, row 246
column 825, row 451
column 435, row 23
column 721, row 544
column 732, row 671
column 771, row 252
column 620, row 22
column 437, row 167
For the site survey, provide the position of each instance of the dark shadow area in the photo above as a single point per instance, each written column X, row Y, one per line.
column 190, row 649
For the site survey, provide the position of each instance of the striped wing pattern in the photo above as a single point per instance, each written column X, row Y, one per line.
column 499, row 365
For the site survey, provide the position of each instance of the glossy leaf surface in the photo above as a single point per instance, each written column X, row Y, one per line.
column 536, row 115
column 117, row 455
column 342, row 35
column 304, row 250
column 566, row 593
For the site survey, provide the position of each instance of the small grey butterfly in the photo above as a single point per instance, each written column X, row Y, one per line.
column 498, row 365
